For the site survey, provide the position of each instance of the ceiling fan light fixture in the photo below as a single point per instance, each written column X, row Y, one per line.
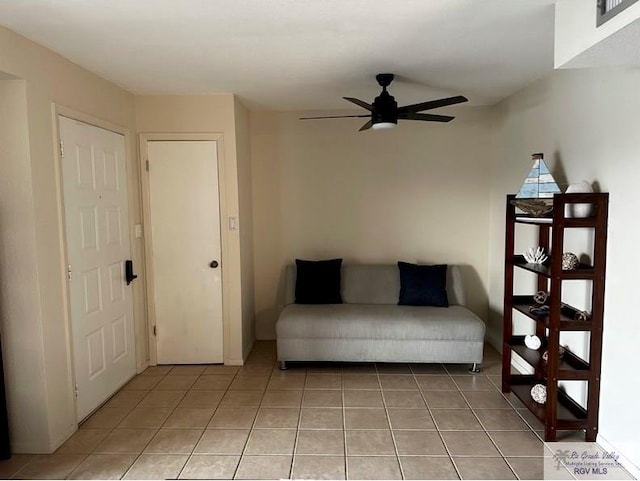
column 384, row 125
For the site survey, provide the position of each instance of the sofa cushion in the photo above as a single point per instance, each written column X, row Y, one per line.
column 318, row 282
column 367, row 321
column 423, row 285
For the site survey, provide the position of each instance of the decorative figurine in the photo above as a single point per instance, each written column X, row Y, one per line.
column 532, row 342
column 540, row 297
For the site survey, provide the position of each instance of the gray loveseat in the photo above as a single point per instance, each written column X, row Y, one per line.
column 369, row 326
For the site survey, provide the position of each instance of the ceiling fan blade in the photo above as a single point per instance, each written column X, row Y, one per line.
column 427, row 117
column 360, row 103
column 334, row 117
column 433, row 104
column 366, row 126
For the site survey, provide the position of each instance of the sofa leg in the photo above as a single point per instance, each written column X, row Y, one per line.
column 476, row 368
column 283, row 365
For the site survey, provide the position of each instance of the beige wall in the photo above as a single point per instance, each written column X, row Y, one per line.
column 418, row 193
column 20, row 316
column 245, row 199
column 586, row 123
column 47, row 402
column 210, row 114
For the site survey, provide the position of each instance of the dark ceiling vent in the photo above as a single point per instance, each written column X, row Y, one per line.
column 607, row 9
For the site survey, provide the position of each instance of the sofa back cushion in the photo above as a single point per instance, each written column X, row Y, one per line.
column 376, row 284
column 318, row 282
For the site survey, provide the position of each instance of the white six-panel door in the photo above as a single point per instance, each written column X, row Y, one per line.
column 97, row 240
column 185, row 237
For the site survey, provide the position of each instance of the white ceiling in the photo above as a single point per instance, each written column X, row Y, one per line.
column 299, row 54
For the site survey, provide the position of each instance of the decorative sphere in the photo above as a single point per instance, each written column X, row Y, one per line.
column 578, row 210
column 570, row 261
column 539, row 393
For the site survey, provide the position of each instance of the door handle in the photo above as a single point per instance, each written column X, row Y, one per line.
column 128, row 271
column 213, row 264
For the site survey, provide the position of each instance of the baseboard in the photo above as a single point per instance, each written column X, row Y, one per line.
column 495, row 342
column 56, row 443
column 234, row 362
column 247, row 348
column 623, row 460
column 142, row 366
column 30, row 448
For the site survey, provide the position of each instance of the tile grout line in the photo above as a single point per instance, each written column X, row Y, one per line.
column 386, row 412
column 253, row 424
column 446, row 448
column 344, row 428
column 209, row 420
column 503, row 457
column 162, row 424
column 137, row 455
column 110, row 430
column 295, row 442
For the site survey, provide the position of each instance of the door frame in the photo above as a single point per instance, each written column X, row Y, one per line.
column 148, row 241
column 61, row 110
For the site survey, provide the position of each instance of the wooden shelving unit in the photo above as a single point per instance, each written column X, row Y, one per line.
column 560, row 412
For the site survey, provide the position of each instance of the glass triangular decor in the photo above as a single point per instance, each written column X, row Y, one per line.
column 539, row 184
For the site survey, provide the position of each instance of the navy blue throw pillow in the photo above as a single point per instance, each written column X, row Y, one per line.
column 423, row 285
column 318, row 282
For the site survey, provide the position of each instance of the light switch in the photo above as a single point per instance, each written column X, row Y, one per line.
column 138, row 231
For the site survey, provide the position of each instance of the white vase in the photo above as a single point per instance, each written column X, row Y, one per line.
column 578, row 210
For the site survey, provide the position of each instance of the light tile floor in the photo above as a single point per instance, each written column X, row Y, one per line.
column 318, row 421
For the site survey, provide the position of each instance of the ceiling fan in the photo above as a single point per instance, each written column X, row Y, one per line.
column 385, row 112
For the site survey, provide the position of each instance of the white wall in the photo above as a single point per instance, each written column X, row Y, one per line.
column 586, row 123
column 211, row 114
column 580, row 43
column 245, row 206
column 41, row 404
column 20, row 316
column 418, row 193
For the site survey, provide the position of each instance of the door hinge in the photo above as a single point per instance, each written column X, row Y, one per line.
column 69, row 272
column 61, row 149
column 154, row 331
column 147, row 165
column 76, row 390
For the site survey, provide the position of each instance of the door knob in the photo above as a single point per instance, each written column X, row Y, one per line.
column 213, row 264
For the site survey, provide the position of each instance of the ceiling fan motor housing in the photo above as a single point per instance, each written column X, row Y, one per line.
column 385, row 109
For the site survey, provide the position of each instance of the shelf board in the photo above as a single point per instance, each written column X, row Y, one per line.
column 570, row 366
column 572, row 222
column 529, row 219
column 567, row 313
column 570, row 415
column 584, row 271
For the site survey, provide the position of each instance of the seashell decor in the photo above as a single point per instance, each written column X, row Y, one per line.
column 532, row 342
column 570, row 261
column 539, row 393
column 535, row 256
column 545, row 354
column 540, row 297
